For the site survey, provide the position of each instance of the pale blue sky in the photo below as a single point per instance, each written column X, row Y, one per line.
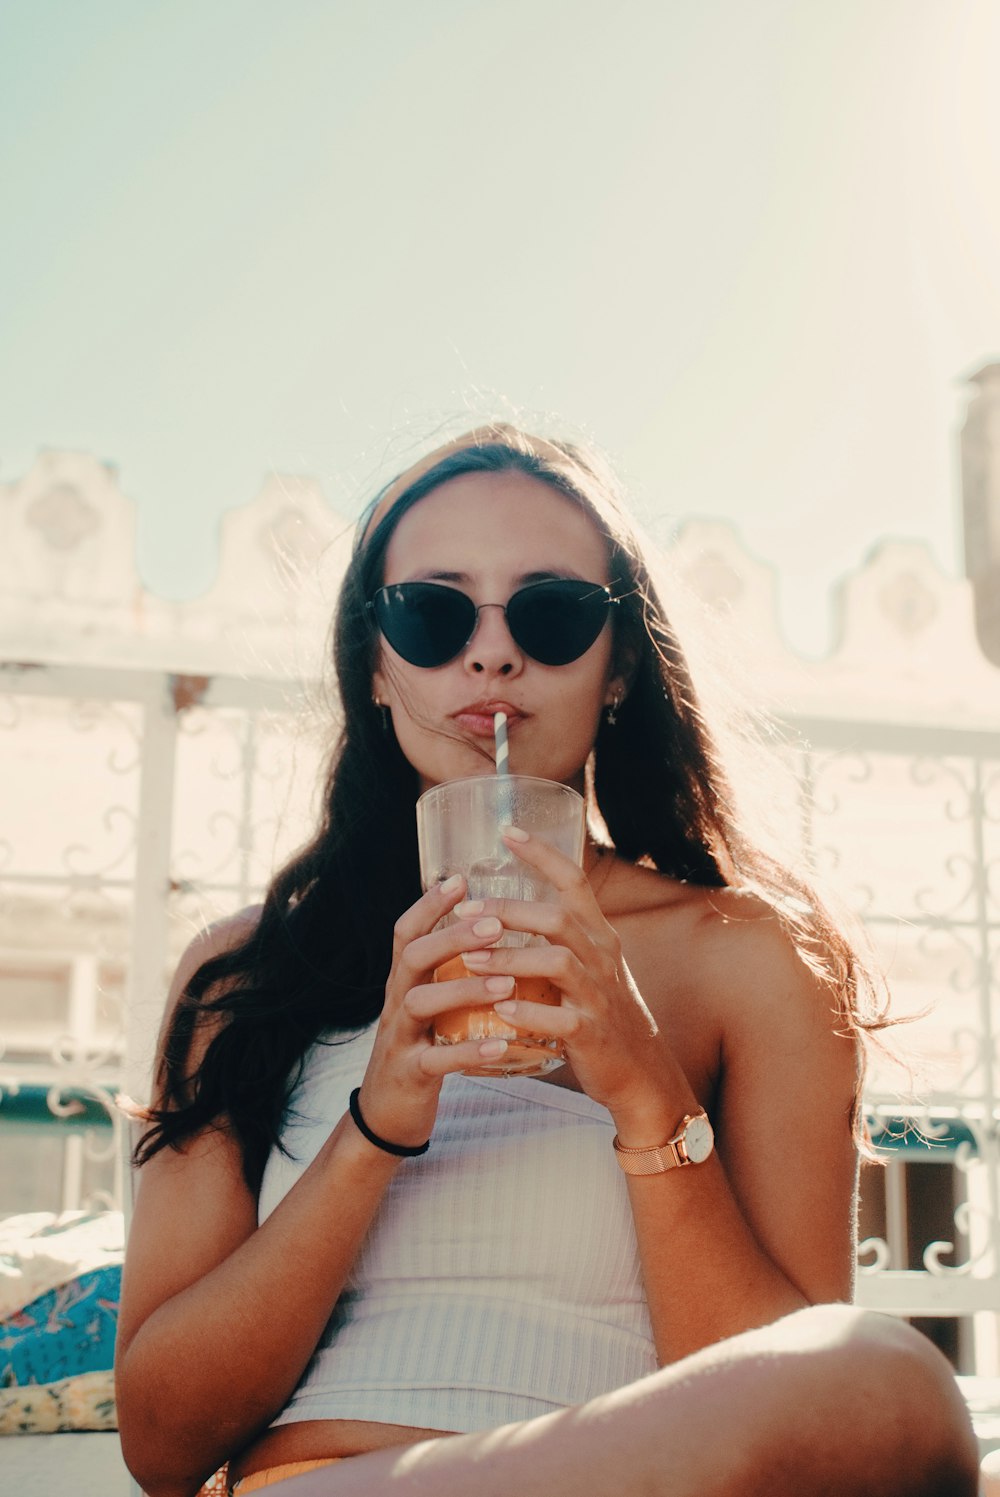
column 752, row 248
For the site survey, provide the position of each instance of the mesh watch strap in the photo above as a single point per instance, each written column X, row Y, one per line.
column 655, row 1161
column 671, row 1155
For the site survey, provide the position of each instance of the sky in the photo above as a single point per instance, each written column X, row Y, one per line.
column 753, row 250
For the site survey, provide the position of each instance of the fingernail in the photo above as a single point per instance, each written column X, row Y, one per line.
column 492, row 1049
column 477, row 958
column 451, row 885
column 514, row 834
column 489, row 927
column 468, row 907
column 499, row 985
column 507, row 1007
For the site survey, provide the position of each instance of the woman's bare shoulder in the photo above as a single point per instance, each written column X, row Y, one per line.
column 215, row 940
column 741, row 922
column 733, row 940
column 660, row 903
column 761, row 970
column 219, row 938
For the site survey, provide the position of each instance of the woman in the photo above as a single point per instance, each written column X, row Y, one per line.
column 313, row 1298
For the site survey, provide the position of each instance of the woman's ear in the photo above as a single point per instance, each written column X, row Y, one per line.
column 626, row 667
column 615, row 694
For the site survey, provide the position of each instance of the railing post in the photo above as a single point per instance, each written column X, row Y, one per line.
column 152, row 888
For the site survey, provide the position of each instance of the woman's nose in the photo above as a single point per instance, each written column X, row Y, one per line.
column 492, row 650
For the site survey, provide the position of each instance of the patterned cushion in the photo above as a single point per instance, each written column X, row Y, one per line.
column 83, row 1402
column 63, row 1333
column 60, row 1282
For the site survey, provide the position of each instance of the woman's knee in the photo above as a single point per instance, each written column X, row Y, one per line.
column 896, row 1396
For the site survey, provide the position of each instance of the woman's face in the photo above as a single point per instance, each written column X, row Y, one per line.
column 489, row 534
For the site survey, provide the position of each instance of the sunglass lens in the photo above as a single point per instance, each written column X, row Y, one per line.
column 424, row 622
column 556, row 622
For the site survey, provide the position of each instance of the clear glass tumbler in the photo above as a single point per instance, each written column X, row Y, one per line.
column 458, row 829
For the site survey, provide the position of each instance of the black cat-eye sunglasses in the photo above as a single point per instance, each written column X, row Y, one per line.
column 554, row 621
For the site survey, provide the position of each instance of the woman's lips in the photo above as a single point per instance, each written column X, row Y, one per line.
column 478, row 720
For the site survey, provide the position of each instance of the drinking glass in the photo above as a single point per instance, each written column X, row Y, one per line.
column 458, row 830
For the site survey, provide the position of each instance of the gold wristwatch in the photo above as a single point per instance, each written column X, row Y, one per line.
column 691, row 1144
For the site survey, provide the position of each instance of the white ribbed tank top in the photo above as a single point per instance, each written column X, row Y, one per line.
column 500, row 1276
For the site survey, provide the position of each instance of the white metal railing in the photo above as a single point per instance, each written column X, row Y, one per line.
column 918, row 851
column 148, row 801
column 90, row 847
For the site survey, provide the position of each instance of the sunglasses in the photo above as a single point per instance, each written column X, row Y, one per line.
column 554, row 622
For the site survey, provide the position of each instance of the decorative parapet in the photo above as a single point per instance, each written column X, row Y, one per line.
column 906, row 646
column 908, row 640
column 281, row 558
column 67, row 544
column 70, row 592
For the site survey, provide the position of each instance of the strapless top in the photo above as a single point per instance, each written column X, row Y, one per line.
column 500, row 1276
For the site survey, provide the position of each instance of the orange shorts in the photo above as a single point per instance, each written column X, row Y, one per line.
column 257, row 1480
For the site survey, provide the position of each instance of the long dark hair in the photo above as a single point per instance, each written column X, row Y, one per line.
column 316, row 961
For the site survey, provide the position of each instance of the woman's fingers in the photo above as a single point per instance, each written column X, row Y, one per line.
column 593, row 986
column 557, row 963
column 576, row 894
column 444, row 1060
column 422, row 916
column 425, row 954
column 558, row 925
column 430, row 999
column 555, row 1021
column 554, row 866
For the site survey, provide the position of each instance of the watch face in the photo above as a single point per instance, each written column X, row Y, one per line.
column 698, row 1140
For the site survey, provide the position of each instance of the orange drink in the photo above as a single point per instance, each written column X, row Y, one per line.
column 459, row 830
column 526, row 1054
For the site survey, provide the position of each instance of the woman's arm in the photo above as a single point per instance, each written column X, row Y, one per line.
column 766, row 1224
column 219, row 1317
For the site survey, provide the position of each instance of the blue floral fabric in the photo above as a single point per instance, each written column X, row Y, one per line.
column 68, row 1331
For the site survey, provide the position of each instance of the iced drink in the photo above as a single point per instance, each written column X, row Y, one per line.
column 526, row 1055
column 458, row 826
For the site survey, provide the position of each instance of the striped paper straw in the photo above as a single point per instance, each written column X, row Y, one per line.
column 502, row 750
column 505, row 797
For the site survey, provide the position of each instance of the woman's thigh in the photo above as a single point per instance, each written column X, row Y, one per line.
column 829, row 1402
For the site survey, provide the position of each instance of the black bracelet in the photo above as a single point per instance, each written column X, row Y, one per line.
column 405, row 1151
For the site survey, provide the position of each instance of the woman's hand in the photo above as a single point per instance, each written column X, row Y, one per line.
column 610, row 1036
column 399, row 1095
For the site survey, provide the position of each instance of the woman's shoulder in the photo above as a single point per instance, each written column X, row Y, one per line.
column 733, row 940
column 635, row 891
column 216, row 940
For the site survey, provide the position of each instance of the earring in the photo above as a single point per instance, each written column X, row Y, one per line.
column 612, row 712
column 384, row 711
